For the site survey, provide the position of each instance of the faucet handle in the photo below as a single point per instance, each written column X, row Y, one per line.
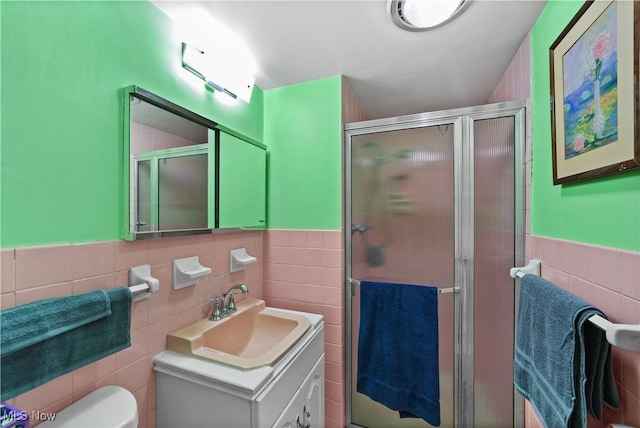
column 216, row 313
column 231, row 306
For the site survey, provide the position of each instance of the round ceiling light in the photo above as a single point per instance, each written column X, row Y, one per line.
column 422, row 15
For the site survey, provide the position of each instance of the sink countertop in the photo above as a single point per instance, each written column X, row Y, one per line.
column 229, row 378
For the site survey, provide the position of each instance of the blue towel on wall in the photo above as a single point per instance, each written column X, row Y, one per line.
column 398, row 361
column 26, row 367
column 563, row 361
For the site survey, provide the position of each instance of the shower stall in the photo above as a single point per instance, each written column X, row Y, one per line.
column 438, row 199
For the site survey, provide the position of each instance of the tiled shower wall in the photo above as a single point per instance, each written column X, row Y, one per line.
column 515, row 86
column 605, row 277
column 35, row 273
column 351, row 109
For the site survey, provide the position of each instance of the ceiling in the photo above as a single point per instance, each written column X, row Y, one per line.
column 392, row 72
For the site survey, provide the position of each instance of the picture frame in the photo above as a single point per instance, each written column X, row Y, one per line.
column 594, row 70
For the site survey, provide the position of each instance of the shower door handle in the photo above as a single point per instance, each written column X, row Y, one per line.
column 360, row 228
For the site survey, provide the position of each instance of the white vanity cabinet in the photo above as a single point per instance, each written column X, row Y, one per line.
column 306, row 408
column 193, row 392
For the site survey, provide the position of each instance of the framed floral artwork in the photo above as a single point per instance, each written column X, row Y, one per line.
column 594, row 92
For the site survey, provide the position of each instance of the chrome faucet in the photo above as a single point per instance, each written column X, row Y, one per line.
column 225, row 305
column 228, row 303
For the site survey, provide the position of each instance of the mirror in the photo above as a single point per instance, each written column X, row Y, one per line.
column 170, row 191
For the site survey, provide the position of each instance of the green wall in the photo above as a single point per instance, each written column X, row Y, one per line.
column 61, row 138
column 64, row 66
column 302, row 129
column 603, row 211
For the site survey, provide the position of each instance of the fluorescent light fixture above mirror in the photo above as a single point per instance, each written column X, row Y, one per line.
column 193, row 59
column 218, row 72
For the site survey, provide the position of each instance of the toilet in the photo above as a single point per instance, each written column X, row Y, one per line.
column 110, row 406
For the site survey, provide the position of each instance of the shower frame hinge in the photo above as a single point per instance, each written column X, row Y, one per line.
column 353, row 288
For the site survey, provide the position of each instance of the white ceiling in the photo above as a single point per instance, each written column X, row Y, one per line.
column 392, row 72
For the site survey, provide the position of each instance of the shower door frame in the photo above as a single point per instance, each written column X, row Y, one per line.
column 463, row 175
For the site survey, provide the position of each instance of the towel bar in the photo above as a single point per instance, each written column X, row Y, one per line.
column 145, row 284
column 532, row 267
column 625, row 336
column 440, row 290
column 138, row 288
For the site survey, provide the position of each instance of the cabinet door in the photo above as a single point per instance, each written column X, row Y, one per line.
column 242, row 181
column 291, row 414
column 312, row 391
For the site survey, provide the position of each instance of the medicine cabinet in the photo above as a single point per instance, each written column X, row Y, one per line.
column 242, row 172
column 184, row 175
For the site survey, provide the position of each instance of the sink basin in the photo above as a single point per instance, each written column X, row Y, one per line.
column 253, row 336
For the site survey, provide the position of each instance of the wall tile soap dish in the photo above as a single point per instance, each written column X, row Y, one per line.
column 238, row 259
column 188, row 271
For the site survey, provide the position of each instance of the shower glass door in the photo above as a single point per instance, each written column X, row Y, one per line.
column 402, row 216
column 493, row 254
column 438, row 199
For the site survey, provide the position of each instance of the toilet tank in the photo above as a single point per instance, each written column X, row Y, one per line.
column 110, row 406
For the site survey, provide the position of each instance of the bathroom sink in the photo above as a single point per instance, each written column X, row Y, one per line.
column 253, row 336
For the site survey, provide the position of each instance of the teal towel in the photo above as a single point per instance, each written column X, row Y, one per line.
column 563, row 361
column 28, row 324
column 32, row 366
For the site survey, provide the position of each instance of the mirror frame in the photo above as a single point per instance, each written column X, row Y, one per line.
column 157, row 101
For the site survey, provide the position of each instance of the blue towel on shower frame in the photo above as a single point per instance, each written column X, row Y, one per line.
column 398, row 361
column 563, row 361
column 53, row 355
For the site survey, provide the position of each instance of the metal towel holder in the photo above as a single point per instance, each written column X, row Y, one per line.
column 625, row 336
column 143, row 283
column 440, row 290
